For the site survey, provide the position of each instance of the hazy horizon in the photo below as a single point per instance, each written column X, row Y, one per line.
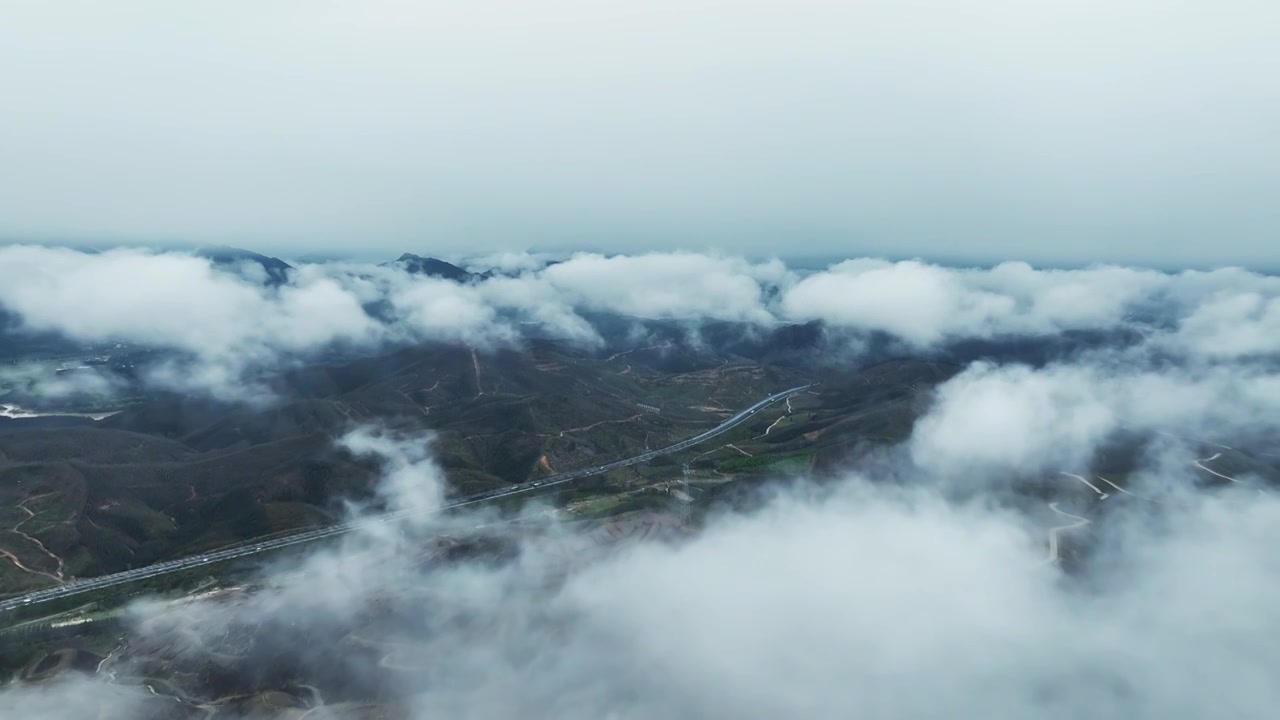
column 1059, row 133
column 799, row 261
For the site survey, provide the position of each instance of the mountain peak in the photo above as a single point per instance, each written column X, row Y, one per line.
column 434, row 267
column 276, row 270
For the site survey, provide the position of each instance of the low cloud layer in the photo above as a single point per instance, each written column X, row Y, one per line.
column 921, row 587
column 855, row 600
column 1015, row 419
column 926, row 305
column 228, row 327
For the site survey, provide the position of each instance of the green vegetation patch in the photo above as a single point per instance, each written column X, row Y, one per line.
column 790, row 464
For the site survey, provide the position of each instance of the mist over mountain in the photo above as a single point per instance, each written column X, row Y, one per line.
column 418, row 265
column 1041, row 463
column 676, row 360
column 216, row 327
column 268, row 270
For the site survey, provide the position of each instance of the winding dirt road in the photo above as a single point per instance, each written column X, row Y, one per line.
column 1215, row 456
column 1095, row 488
column 1055, row 531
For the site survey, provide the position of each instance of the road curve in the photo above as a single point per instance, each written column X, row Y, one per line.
column 1055, row 531
column 1101, row 495
column 171, row 566
column 1200, row 464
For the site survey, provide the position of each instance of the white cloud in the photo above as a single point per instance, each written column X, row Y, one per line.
column 926, row 305
column 411, row 481
column 682, row 286
column 45, row 381
column 71, row 697
column 1233, row 325
column 227, row 328
column 441, row 309
column 916, row 302
column 178, row 302
column 1012, row 419
column 872, row 606
column 863, row 602
column 510, row 262
column 990, row 420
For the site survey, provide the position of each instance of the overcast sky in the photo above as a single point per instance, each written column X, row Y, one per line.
column 1065, row 131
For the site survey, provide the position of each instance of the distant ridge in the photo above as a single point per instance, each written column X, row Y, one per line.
column 277, row 270
column 434, row 267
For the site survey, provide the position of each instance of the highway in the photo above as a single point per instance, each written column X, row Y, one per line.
column 171, row 566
